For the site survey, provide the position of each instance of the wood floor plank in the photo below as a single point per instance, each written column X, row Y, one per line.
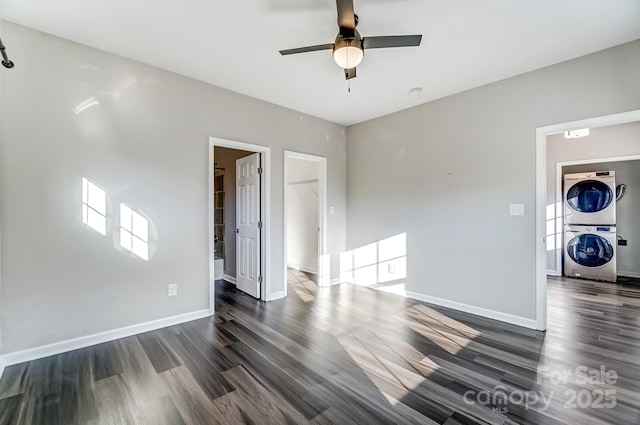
column 106, row 362
column 200, row 362
column 410, row 414
column 159, row 353
column 323, row 419
column 44, row 410
column 260, row 402
column 77, row 395
column 10, row 410
column 138, row 374
column 162, row 411
column 363, row 401
column 14, row 380
column 236, row 409
column 279, row 382
column 44, row 377
column 115, row 403
column 189, row 398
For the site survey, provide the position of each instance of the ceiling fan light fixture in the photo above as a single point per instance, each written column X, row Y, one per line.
column 348, row 53
column 348, row 49
column 348, row 57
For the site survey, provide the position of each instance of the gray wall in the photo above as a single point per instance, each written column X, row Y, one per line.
column 445, row 173
column 603, row 142
column 146, row 144
column 627, row 217
column 226, row 158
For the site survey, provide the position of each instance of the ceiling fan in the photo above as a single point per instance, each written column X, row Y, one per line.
column 349, row 46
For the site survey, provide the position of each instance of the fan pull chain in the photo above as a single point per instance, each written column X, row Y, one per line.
column 348, row 86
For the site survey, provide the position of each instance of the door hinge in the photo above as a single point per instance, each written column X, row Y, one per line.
column 259, row 279
column 259, row 225
column 259, row 170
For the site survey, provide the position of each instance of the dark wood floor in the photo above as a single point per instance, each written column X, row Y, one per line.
column 346, row 355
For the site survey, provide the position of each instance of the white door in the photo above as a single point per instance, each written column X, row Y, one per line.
column 248, row 224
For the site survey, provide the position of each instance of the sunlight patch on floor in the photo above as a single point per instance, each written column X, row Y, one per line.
column 380, row 371
column 302, row 285
column 447, row 333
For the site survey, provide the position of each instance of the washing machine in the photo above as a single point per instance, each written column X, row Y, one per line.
column 590, row 252
column 590, row 198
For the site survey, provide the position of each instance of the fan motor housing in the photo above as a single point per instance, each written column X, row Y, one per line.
column 342, row 41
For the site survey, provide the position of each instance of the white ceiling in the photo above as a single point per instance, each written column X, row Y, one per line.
column 235, row 44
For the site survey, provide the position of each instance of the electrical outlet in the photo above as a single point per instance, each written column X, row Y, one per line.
column 391, row 267
column 622, row 242
column 172, row 290
column 516, row 209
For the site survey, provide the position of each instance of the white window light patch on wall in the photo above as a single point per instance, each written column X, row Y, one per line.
column 94, row 206
column 92, row 101
column 134, row 232
column 576, row 134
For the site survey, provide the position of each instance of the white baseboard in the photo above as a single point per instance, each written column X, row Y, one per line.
column 276, row 296
column 302, row 268
column 326, row 282
column 553, row 273
column 230, row 279
column 629, row 274
column 89, row 340
column 478, row 311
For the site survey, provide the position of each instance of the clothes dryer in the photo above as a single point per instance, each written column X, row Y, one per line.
column 590, row 252
column 590, row 198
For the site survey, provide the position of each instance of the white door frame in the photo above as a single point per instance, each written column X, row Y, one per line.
column 265, row 206
column 560, row 201
column 541, row 197
column 324, row 277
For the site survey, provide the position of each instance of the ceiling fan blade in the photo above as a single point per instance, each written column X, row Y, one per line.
column 391, row 41
column 346, row 16
column 306, row 49
column 350, row 73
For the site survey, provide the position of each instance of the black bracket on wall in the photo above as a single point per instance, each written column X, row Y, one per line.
column 621, row 241
column 5, row 59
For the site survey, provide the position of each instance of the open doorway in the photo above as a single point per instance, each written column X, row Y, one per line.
column 305, row 196
column 239, row 227
column 549, row 198
column 227, row 247
column 622, row 172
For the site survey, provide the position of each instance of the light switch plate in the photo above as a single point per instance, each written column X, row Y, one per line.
column 172, row 290
column 332, row 210
column 516, row 209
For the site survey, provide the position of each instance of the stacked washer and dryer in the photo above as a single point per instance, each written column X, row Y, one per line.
column 590, row 240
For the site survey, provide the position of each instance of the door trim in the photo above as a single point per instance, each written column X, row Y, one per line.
column 541, row 197
column 265, row 207
column 324, row 273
